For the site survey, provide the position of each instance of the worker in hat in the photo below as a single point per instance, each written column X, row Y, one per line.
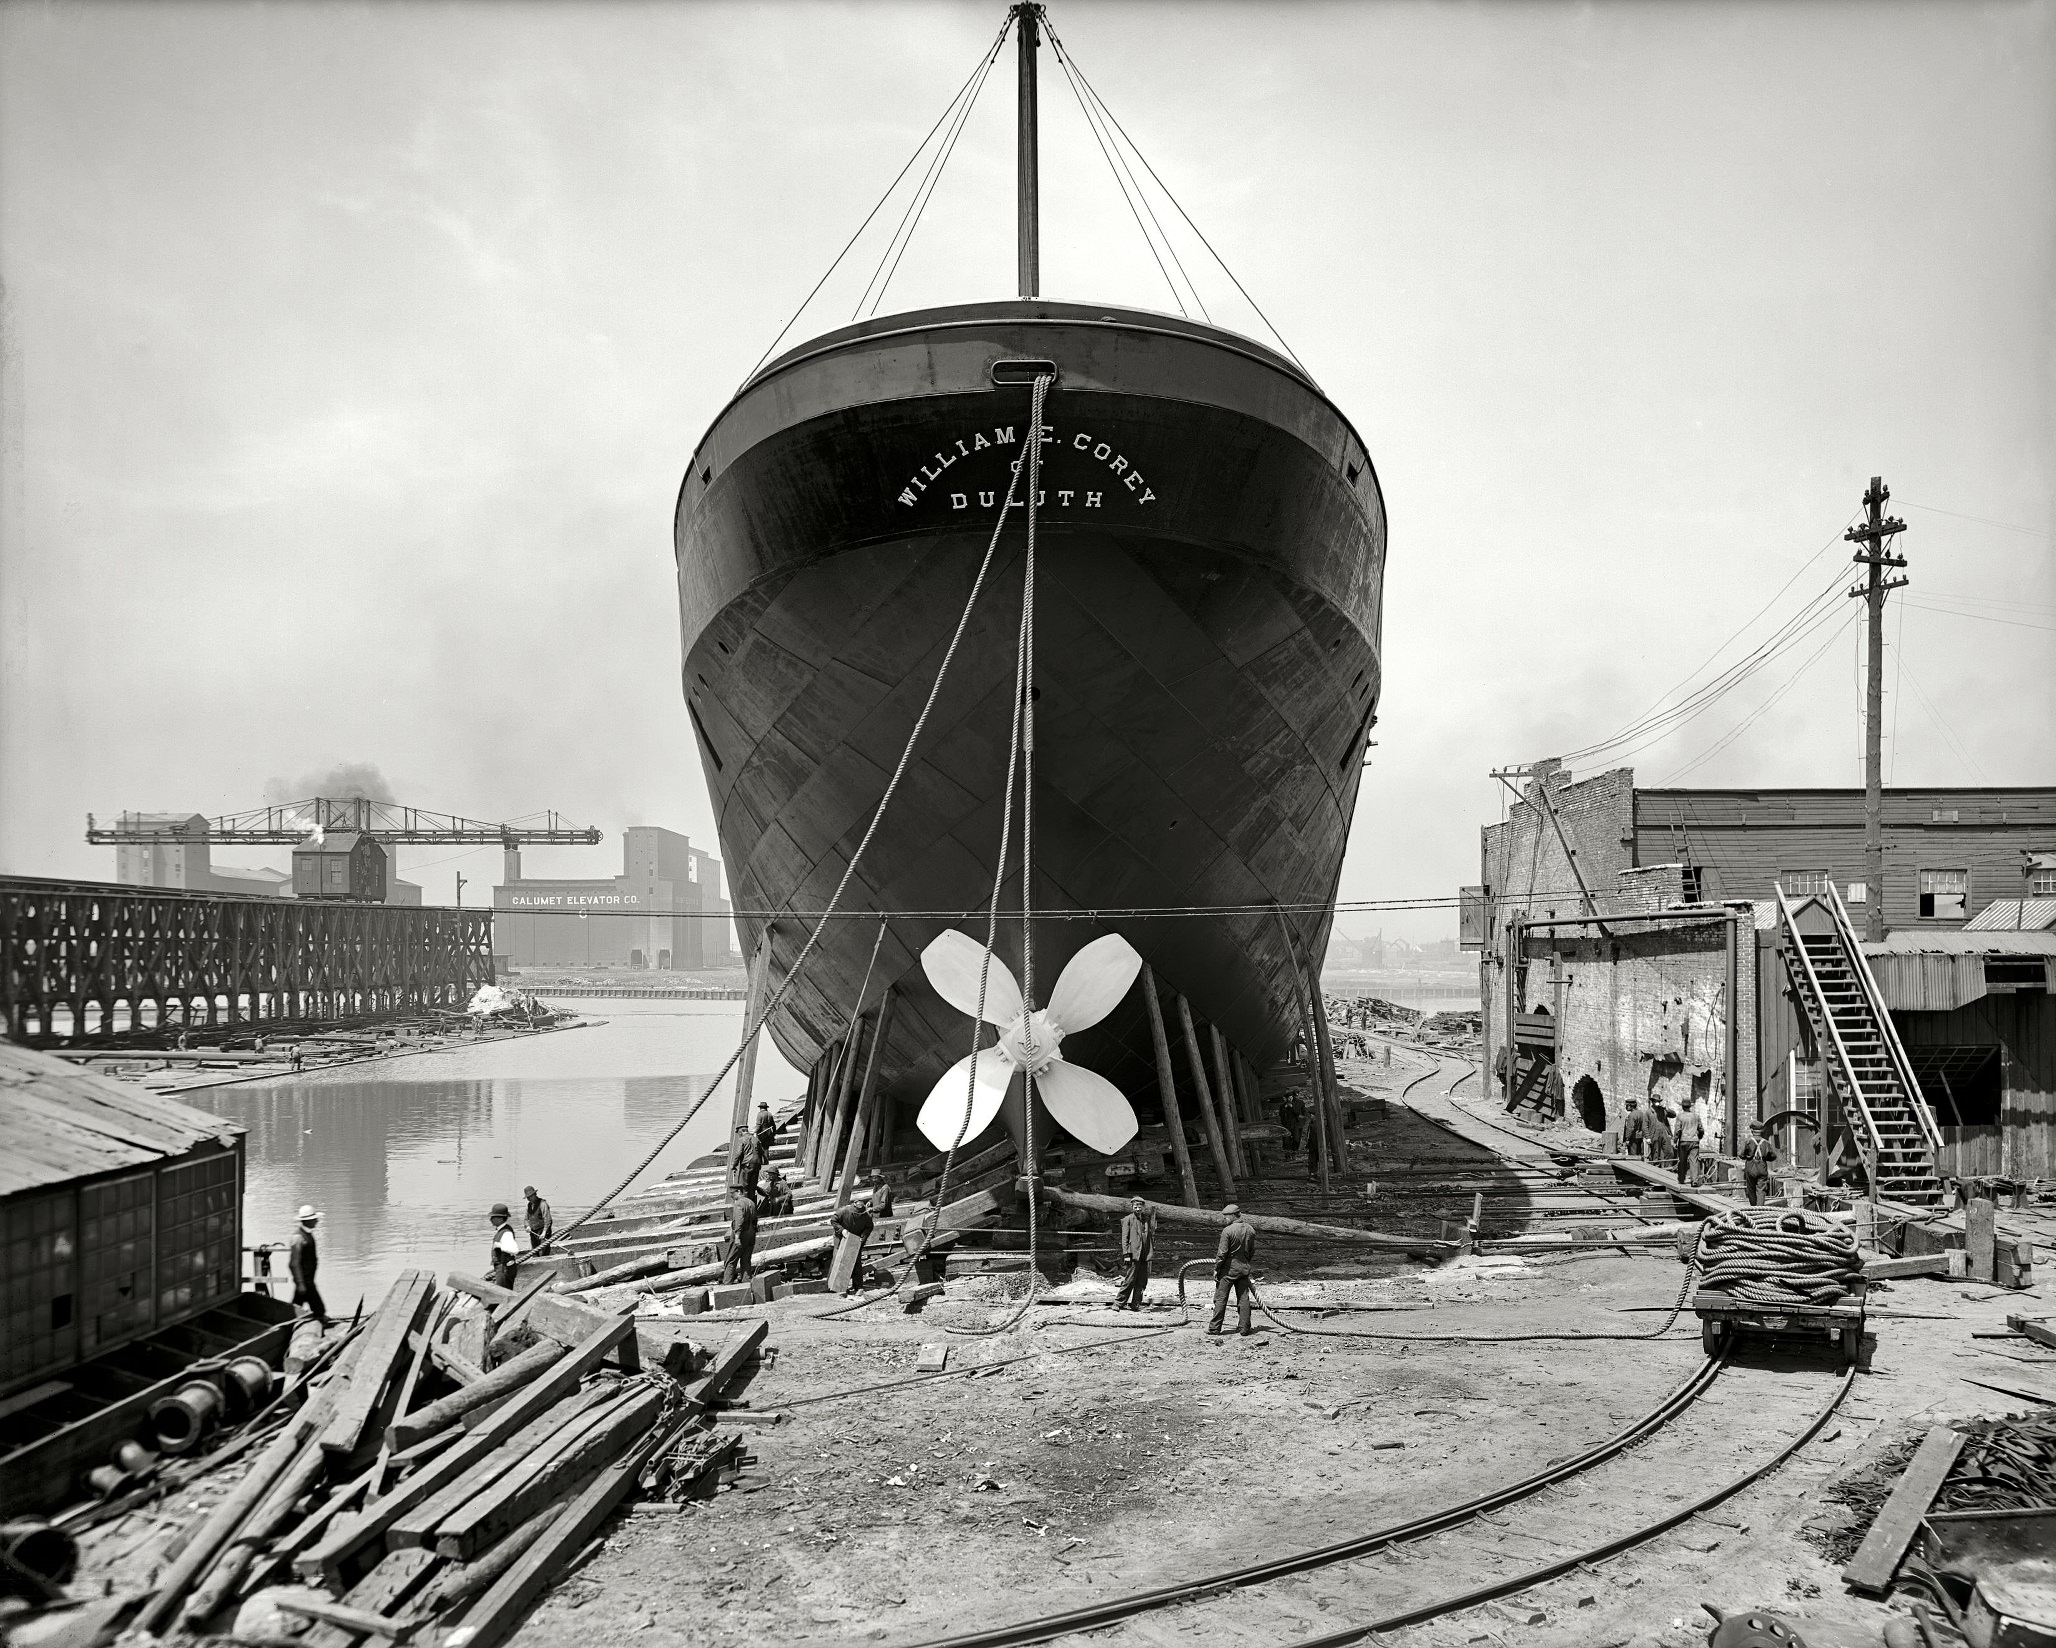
column 542, row 1224
column 506, row 1251
column 775, row 1202
column 747, row 1163
column 742, row 1236
column 303, row 1259
column 766, row 1130
column 852, row 1224
column 1233, row 1260
column 881, row 1194
column 1138, row 1240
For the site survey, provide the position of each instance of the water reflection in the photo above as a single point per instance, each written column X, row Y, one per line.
column 404, row 1163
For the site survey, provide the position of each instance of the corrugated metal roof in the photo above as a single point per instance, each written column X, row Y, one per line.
column 1963, row 941
column 2006, row 914
column 1928, row 983
column 59, row 1122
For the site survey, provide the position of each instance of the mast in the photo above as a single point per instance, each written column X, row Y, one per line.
column 1028, row 20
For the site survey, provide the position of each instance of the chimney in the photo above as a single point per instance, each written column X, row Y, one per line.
column 510, row 865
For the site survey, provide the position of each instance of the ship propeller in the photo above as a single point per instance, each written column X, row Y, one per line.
column 1087, row 1105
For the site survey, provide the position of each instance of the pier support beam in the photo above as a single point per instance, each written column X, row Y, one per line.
column 865, row 1100
column 1216, row 1131
column 830, row 1149
column 1306, row 1031
column 1167, row 1087
column 1325, row 1070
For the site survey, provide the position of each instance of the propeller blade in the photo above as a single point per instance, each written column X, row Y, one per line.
column 953, row 963
column 1087, row 1106
column 942, row 1112
column 1093, row 982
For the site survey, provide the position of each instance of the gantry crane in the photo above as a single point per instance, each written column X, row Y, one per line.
column 293, row 822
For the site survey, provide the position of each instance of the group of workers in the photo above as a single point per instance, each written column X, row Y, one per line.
column 757, row 1190
column 1234, row 1263
column 1678, row 1139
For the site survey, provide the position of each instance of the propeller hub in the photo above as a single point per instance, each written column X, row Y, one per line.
column 1043, row 1031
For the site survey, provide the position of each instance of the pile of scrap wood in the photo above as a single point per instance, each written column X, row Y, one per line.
column 454, row 1459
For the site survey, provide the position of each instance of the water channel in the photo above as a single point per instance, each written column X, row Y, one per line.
column 405, row 1156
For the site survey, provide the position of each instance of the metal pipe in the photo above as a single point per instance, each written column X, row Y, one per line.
column 1028, row 20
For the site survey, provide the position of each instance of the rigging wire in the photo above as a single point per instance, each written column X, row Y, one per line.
column 1123, row 188
column 917, row 208
column 1100, row 102
column 983, row 66
column 1092, row 125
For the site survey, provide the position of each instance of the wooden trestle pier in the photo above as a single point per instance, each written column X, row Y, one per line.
column 82, row 956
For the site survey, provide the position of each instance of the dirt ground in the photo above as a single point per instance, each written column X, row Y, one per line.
column 1106, row 1454
column 1162, row 1455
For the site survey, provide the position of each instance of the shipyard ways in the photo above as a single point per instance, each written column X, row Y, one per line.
column 98, row 960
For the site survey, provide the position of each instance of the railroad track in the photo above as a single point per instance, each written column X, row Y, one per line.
column 1651, row 1476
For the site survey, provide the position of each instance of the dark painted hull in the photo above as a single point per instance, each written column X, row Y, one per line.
column 1211, row 551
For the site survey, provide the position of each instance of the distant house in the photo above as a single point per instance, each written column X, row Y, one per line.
column 342, row 864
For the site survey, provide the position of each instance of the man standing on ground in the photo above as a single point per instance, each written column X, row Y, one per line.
column 1289, row 1117
column 1758, row 1156
column 1634, row 1129
column 542, row 1224
column 1138, row 1241
column 1657, row 1136
column 881, row 1194
column 1233, row 1260
column 506, row 1251
column 742, row 1236
column 302, row 1260
column 1688, row 1143
column 767, row 1133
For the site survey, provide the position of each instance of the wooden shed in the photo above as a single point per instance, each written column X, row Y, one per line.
column 121, row 1233
column 341, row 864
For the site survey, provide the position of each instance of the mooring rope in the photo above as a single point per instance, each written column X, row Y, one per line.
column 1021, row 744
column 1031, row 452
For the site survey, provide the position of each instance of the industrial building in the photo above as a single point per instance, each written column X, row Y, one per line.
column 181, row 857
column 1647, row 944
column 664, row 911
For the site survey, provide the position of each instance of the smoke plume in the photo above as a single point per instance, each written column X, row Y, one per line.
column 346, row 780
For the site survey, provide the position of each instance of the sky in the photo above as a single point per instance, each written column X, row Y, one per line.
column 350, row 357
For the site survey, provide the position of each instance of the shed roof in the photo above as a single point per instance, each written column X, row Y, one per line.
column 60, row 1122
column 334, row 841
column 1964, row 941
column 2008, row 914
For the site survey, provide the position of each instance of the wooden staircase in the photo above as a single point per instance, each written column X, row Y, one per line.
column 1861, row 1048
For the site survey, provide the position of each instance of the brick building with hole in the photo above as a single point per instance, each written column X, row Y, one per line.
column 1617, row 925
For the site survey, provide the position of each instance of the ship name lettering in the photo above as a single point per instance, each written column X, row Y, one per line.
column 986, row 499
column 907, row 497
column 1003, row 437
column 979, row 443
column 1064, row 499
column 957, row 500
column 1092, row 499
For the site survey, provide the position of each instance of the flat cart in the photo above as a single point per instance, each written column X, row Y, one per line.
column 1723, row 1321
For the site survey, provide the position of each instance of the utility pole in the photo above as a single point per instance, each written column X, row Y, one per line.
column 1028, row 20
column 1872, row 539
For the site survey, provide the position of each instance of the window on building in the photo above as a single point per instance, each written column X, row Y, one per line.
column 2041, row 884
column 1944, row 895
column 1859, row 892
column 1693, row 884
column 1804, row 883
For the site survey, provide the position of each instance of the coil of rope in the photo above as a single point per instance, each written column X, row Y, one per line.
column 1778, row 1258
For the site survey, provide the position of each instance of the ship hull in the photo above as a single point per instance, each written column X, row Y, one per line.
column 1210, row 548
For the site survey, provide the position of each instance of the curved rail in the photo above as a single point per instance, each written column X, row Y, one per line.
column 1097, row 1615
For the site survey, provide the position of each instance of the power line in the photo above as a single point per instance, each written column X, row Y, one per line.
column 1762, row 709
column 1986, row 520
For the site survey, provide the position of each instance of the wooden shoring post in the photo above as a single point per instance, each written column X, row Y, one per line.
column 865, row 1100
column 1216, row 1134
column 746, row 1070
column 845, row 1095
column 1224, row 1085
column 1306, row 1023
column 1733, row 1026
column 1512, row 984
column 1167, row 1087
column 1331, row 1092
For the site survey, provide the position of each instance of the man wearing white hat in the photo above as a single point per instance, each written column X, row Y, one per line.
column 303, row 1260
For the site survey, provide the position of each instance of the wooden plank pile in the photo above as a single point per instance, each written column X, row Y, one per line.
column 458, row 1455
